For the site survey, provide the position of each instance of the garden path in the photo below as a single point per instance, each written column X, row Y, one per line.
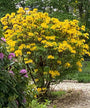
column 76, row 101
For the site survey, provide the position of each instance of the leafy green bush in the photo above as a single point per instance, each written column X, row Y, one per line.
column 36, row 104
column 49, row 48
column 63, row 16
column 12, row 82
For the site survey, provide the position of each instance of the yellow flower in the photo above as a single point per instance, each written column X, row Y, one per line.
column 59, row 62
column 12, row 49
column 50, row 37
column 45, row 73
column 21, row 11
column 54, row 73
column 43, row 88
column 36, row 70
column 73, row 51
column 35, row 96
column 5, row 27
column 28, row 46
column 44, row 25
column 33, row 48
column 43, row 41
column 39, row 39
column 36, row 80
column 25, row 58
column 82, row 59
column 20, row 47
column 83, row 28
column 79, row 69
column 26, row 8
column 30, row 34
column 50, row 57
column 29, row 61
column 39, row 90
column 86, row 35
column 76, row 1
column 79, row 64
column 25, row 24
column 18, row 53
column 67, row 65
column 35, row 10
column 28, row 52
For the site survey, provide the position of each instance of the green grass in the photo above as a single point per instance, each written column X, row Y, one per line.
column 83, row 76
column 57, row 93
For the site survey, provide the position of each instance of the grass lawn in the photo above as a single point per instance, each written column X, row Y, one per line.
column 83, row 76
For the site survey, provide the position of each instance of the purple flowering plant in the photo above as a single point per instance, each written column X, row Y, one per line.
column 1, row 55
column 24, row 73
column 14, row 75
column 3, row 39
column 11, row 72
column 11, row 55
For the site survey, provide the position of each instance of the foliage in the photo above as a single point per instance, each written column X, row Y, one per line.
column 62, row 16
column 48, row 47
column 78, row 8
column 83, row 76
column 82, row 6
column 12, row 83
column 31, row 92
column 7, row 6
column 36, row 104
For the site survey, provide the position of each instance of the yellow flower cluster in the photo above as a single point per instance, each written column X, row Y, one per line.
column 50, row 37
column 64, row 46
column 83, row 28
column 28, row 61
column 78, row 63
column 67, row 65
column 41, row 90
column 32, row 34
column 54, row 73
column 50, row 57
column 18, row 53
column 59, row 62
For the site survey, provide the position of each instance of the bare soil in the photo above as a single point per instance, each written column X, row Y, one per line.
column 77, row 96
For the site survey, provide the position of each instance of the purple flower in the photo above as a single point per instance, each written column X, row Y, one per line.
column 11, row 55
column 17, row 102
column 26, row 75
column 23, row 71
column 11, row 72
column 24, row 100
column 3, row 39
column 1, row 55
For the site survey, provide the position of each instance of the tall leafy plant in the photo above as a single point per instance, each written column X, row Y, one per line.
column 48, row 47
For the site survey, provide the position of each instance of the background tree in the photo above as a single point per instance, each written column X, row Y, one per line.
column 7, row 6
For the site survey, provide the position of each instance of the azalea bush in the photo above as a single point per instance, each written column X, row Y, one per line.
column 13, row 79
column 49, row 48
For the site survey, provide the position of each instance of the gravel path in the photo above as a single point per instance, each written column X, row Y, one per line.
column 83, row 102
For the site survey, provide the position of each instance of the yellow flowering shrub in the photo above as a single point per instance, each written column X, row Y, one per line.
column 47, row 46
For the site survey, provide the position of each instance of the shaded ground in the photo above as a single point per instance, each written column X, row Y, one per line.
column 78, row 95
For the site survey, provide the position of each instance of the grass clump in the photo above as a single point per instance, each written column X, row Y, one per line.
column 57, row 93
